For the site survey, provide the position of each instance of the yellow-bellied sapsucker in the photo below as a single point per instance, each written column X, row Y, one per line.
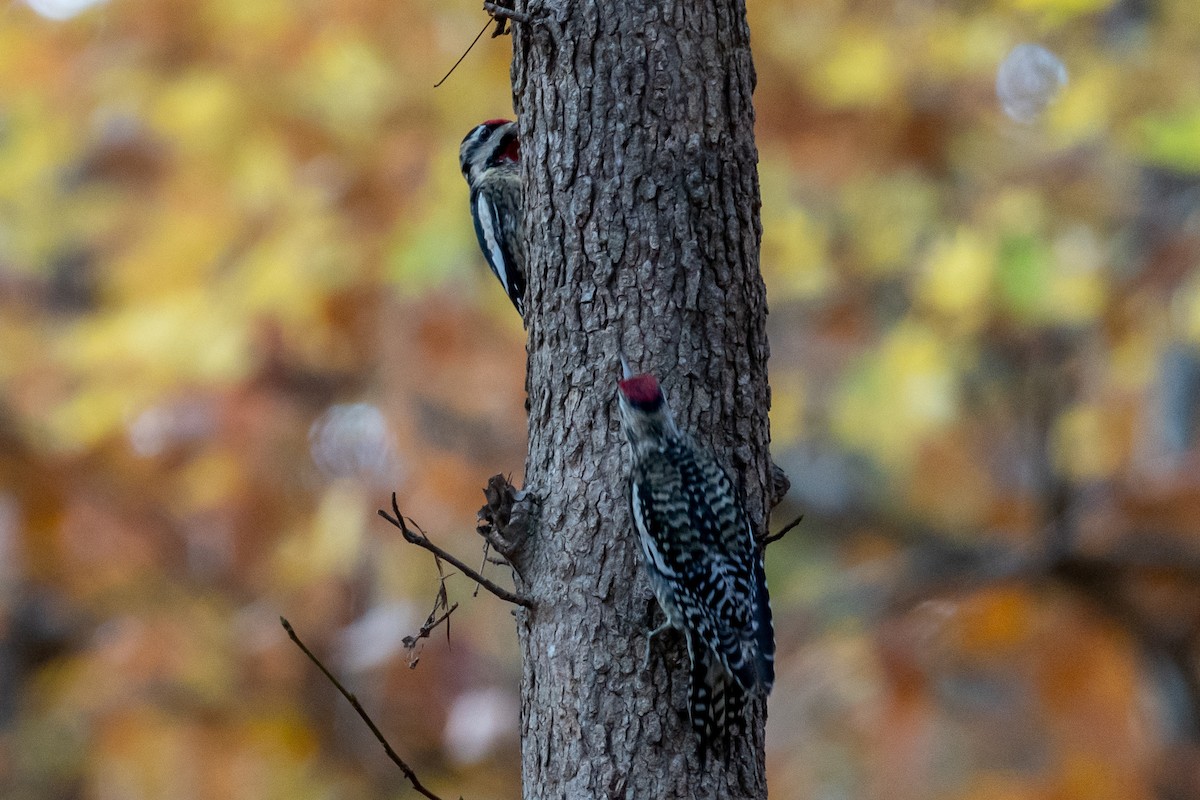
column 704, row 564
column 490, row 159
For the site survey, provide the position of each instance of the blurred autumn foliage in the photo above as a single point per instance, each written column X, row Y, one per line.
column 241, row 303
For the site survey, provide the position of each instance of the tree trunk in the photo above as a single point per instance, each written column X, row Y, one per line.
column 642, row 215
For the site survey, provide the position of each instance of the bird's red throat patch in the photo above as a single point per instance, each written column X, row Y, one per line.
column 513, row 151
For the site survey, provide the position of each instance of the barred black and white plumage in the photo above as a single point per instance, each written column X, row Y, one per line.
column 704, row 564
column 490, row 159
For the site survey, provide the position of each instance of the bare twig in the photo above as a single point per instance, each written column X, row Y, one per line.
column 487, row 557
column 421, row 540
column 780, row 485
column 470, row 47
column 503, row 12
column 441, row 601
column 387, row 748
column 784, row 531
column 431, row 623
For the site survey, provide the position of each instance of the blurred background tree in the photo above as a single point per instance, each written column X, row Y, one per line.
column 241, row 302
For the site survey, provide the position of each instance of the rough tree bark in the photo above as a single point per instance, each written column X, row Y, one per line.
column 642, row 212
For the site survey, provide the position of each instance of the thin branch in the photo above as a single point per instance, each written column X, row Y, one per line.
column 487, row 556
column 470, row 47
column 387, row 748
column 775, row 537
column 502, row 12
column 421, row 540
column 440, row 601
column 429, row 626
column 431, row 623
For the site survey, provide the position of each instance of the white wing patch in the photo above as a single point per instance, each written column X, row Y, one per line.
column 488, row 224
column 649, row 547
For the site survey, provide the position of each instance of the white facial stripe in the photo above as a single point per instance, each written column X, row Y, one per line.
column 477, row 136
column 471, row 149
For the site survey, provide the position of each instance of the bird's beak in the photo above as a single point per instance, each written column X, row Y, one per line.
column 626, row 372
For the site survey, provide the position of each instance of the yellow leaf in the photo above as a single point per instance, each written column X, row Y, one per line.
column 439, row 243
column 184, row 337
column 955, row 45
column 1055, row 11
column 200, row 112
column 210, row 480
column 795, row 254
column 887, row 218
column 332, row 545
column 787, row 407
column 1083, row 111
column 263, row 174
column 347, row 85
column 91, row 415
column 861, row 70
column 1077, row 290
column 957, row 276
column 1134, row 361
column 905, row 391
column 1085, row 443
column 181, row 245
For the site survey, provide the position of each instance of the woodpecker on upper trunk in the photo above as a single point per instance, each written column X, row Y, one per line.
column 490, row 159
column 704, row 564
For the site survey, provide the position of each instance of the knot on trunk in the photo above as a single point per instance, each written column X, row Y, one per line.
column 506, row 518
column 781, row 484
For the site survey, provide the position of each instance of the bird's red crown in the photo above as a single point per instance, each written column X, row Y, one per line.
column 642, row 391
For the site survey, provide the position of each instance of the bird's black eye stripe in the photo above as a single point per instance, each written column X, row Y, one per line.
column 648, row 405
column 474, row 137
column 470, row 146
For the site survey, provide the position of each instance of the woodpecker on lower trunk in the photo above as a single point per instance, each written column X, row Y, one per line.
column 704, row 564
column 490, row 159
